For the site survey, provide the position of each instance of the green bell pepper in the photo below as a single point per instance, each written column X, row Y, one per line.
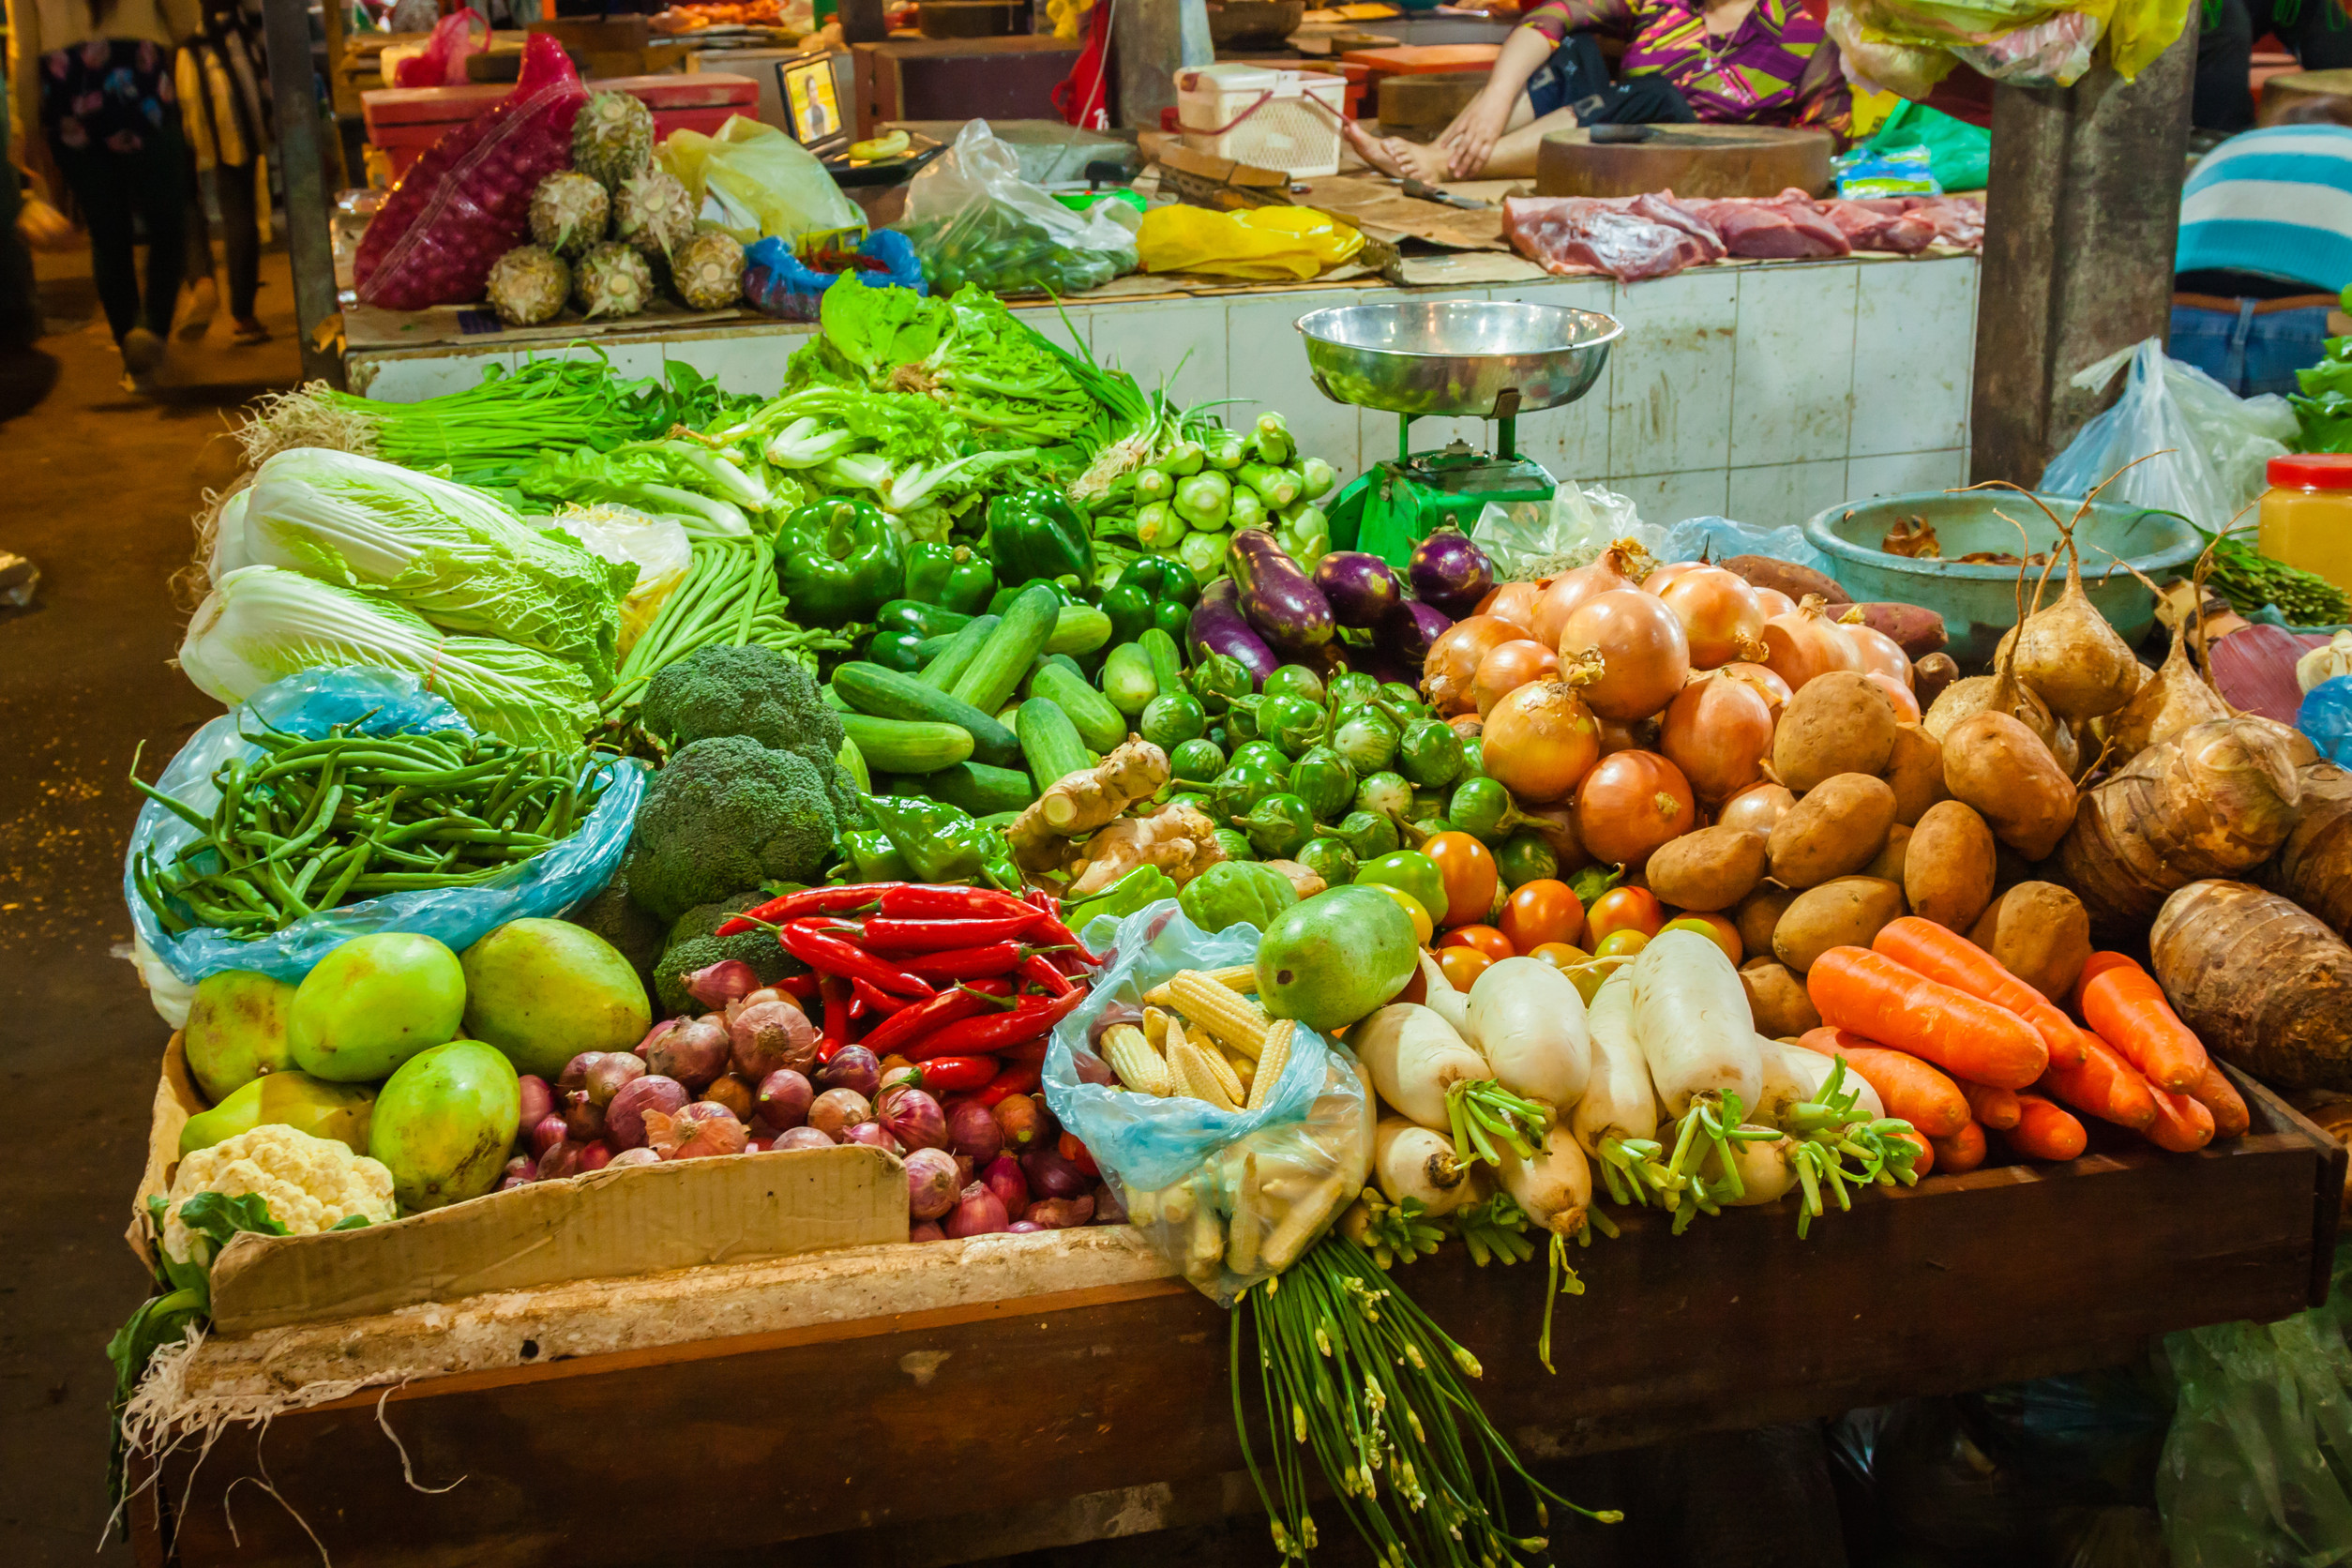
column 950, row 575
column 1129, row 608
column 1161, row 578
column 1236, row 892
column 838, row 561
column 1144, row 885
column 1412, row 871
column 872, row 857
column 924, row 620
column 896, row 649
column 1173, row 618
column 1036, row 534
column 941, row 843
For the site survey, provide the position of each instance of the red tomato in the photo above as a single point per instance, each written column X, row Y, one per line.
column 1485, row 937
column 1540, row 912
column 1722, row 932
column 1463, row 965
column 1468, row 868
column 1624, row 908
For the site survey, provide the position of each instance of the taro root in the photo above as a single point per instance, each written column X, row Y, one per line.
column 2262, row 982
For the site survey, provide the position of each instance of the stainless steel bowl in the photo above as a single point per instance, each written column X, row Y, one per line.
column 1456, row 357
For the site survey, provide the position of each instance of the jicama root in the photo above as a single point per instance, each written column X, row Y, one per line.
column 1074, row 807
column 2261, row 982
column 1181, row 840
column 2068, row 655
column 2002, row 692
column 2174, row 699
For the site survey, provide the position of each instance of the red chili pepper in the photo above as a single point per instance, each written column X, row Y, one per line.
column 1051, row 932
column 803, row 986
column 967, row 963
column 956, row 1075
column 872, row 1000
column 836, row 1031
column 1034, row 1017
column 900, row 1031
column 932, row 901
column 1027, row 1050
column 933, row 936
column 811, row 900
column 1078, row 1154
column 1021, row 1079
column 1037, row 969
column 812, row 944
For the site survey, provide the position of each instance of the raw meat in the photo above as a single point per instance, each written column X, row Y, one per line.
column 1777, row 229
column 1959, row 221
column 1568, row 234
column 1866, row 229
column 1660, row 206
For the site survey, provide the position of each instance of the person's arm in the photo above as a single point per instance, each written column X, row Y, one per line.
column 1469, row 141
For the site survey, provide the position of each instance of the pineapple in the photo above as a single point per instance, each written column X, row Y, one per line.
column 612, row 280
column 612, row 139
column 651, row 213
column 707, row 270
column 568, row 213
column 527, row 285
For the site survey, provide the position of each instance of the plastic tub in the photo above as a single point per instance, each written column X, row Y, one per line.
column 1979, row 603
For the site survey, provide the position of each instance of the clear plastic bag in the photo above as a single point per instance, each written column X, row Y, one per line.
column 1529, row 540
column 974, row 219
column 379, row 704
column 467, row 201
column 2052, row 54
column 2210, row 447
column 1229, row 1197
column 754, row 181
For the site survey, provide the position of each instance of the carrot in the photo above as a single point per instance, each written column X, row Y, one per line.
column 2182, row 1125
column 1853, row 987
column 1909, row 1088
column 1996, row 1109
column 2124, row 1005
column 2216, row 1093
column 2044, row 1132
column 1926, row 1161
column 1952, row 959
column 1962, row 1151
column 2106, row 1086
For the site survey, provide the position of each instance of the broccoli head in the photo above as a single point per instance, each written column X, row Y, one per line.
column 724, row 816
column 692, row 947
column 751, row 691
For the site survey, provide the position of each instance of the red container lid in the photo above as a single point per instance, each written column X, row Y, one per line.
column 2331, row 471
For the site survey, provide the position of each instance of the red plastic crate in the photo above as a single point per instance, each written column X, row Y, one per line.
column 404, row 121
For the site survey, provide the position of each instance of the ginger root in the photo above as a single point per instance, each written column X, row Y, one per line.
column 1181, row 840
column 1074, row 807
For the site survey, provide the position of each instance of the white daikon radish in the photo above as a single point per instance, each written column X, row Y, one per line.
column 1692, row 1019
column 1528, row 1020
column 1443, row 999
column 1411, row 1161
column 1812, row 1069
column 1767, row 1169
column 1843, row 1111
column 1555, row 1188
column 1616, row 1120
column 1415, row 1057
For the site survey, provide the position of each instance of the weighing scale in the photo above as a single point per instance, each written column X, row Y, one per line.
column 1452, row 358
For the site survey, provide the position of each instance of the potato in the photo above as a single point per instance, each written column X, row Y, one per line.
column 1998, row 766
column 1886, row 865
column 1759, row 913
column 1837, row 829
column 1915, row 771
column 1846, row 912
column 1837, row 723
column 1710, row 870
column 1948, row 875
column 1930, row 675
column 2041, row 933
column 1777, row 999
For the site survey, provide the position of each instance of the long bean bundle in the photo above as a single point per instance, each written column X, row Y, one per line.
column 1351, row 1369
column 2250, row 580
column 729, row 597
column 314, row 824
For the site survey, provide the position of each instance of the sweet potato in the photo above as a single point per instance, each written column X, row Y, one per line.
column 1915, row 771
column 1919, row 632
column 2040, row 933
column 1846, row 912
column 1948, row 873
column 1838, row 828
column 2314, row 867
column 1710, row 870
column 2263, row 982
column 1777, row 999
column 1835, row 723
column 1886, row 865
column 1994, row 763
column 1796, row 582
column 1930, row 675
column 1759, row 912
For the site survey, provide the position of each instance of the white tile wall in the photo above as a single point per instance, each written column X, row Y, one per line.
column 1910, row 387
column 741, row 362
column 1266, row 364
column 1670, row 388
column 632, row 358
column 1792, row 366
column 1905, row 472
column 1778, row 495
column 1664, row 498
column 1571, row 441
column 1179, row 342
column 412, row 381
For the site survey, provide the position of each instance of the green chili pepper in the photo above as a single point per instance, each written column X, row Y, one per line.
column 1279, row 824
column 950, row 575
column 942, row 843
column 868, row 857
column 1036, row 534
column 1412, row 871
column 1430, row 752
column 1370, row 833
column 1197, row 759
column 1330, row 858
column 1524, row 857
column 1296, row 679
column 1322, row 779
column 838, row 561
column 1172, row 718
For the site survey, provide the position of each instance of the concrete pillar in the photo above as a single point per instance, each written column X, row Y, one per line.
column 302, row 153
column 2079, row 224
column 1149, row 41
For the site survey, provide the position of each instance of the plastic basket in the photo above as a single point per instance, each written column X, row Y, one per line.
column 1284, row 120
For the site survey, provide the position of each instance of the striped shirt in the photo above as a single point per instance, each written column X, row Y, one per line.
column 2277, row 202
column 1777, row 68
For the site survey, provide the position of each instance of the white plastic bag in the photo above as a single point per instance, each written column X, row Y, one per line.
column 2206, row 447
column 1527, row 539
column 974, row 219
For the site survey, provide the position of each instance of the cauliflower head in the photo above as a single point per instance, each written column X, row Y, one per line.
column 310, row 1185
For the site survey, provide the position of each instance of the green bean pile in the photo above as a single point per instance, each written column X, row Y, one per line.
column 313, row 824
column 1352, row 1368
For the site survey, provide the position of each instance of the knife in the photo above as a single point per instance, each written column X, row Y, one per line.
column 1431, row 194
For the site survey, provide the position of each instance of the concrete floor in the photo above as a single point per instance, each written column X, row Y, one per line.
column 99, row 486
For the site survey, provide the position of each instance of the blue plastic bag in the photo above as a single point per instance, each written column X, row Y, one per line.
column 380, row 703
column 1720, row 538
column 776, row 282
column 2326, row 716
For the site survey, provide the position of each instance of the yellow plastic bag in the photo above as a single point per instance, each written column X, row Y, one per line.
column 2141, row 30
column 1257, row 243
column 752, row 180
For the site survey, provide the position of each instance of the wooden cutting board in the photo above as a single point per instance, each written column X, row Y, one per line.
column 1707, row 161
column 1420, row 59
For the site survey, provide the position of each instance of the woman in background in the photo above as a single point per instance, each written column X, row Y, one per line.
column 225, row 113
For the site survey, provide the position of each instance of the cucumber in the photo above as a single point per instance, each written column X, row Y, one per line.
column 978, row 788
column 1127, row 678
column 1168, row 669
column 1004, row 659
column 883, row 693
column 1049, row 740
column 956, row 654
column 903, row 746
column 833, row 699
column 1063, row 660
column 931, row 647
column 1098, row 724
column 1079, row 628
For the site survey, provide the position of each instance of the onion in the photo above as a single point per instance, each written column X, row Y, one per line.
column 915, row 1118
column 1636, row 643
column 853, row 1067
column 1766, row 680
column 972, row 1130
column 906, row 1071
column 626, row 1157
column 1062, row 1213
column 522, row 1168
column 874, row 1135
column 1662, row 577
column 1540, row 740
column 1906, row 705
column 978, row 1212
column 931, row 1186
column 1508, row 667
column 836, row 1110
column 510, row 1180
column 1052, row 1176
column 1755, row 808
column 1004, row 1177
column 594, row 1157
column 625, row 1117
column 536, row 1098
column 1024, row 1120
column 1805, row 643
column 1631, row 805
column 546, row 1133
column 731, row 1091
column 1718, row 731
column 926, row 1230
column 1514, row 602
column 1718, row 611
column 1616, row 735
column 1876, row 652
column 800, row 1138
column 583, row 1118
column 694, row 1053
column 574, row 1073
column 1555, row 824
column 562, row 1159
column 1771, row 601
column 1023, row 1227
column 773, row 1034
column 752, row 999
column 1452, row 667
column 608, row 1076
column 696, row 1132
column 716, row 985
column 1564, row 593
column 782, row 1101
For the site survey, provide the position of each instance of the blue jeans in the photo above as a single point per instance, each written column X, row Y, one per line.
column 2247, row 353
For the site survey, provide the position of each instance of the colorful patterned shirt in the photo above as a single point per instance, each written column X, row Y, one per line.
column 1776, row 68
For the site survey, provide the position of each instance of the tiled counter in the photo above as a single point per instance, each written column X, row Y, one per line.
column 1763, row 392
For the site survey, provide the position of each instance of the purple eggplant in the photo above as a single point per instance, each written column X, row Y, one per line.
column 1405, row 634
column 1449, row 571
column 1279, row 599
column 1217, row 627
column 1359, row 586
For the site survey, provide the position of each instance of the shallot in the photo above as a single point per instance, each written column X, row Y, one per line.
column 698, row 1131
column 536, row 1097
column 639, row 1155
column 613, row 1073
column 522, row 1168
column 562, row 1159
column 716, row 985
column 972, row 1130
column 874, row 1135
column 625, row 1117
column 583, row 1118
column 546, row 1133
column 926, row 1230
column 1004, row 1177
column 783, row 1099
column 594, row 1157
column 914, row 1117
column 977, row 1213
column 574, row 1073
column 836, row 1110
column 769, row 1036
column 1061, row 1213
column 694, row 1053
column 852, row 1067
column 1052, row 1176
column 731, row 1091
column 800, row 1138
column 931, row 1186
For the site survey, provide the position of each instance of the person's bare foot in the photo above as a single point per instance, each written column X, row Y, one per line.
column 1395, row 156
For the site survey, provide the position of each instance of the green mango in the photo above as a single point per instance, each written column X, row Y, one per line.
column 444, row 1124
column 285, row 1098
column 236, row 1031
column 373, row 1003
column 1334, row 957
column 545, row 990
